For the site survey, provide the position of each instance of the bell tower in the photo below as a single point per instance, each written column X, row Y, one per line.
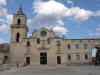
column 19, row 31
column 19, row 27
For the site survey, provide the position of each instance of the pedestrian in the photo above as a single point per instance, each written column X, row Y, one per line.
column 19, row 64
column 98, row 62
column 24, row 65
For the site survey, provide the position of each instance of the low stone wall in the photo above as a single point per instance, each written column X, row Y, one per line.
column 4, row 67
column 78, row 64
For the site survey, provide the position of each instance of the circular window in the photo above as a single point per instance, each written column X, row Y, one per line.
column 43, row 33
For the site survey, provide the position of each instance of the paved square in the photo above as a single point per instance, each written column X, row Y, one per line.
column 60, row 70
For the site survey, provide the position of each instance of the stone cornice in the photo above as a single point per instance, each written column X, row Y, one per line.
column 19, row 26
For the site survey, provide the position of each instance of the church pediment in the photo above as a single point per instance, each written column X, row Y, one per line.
column 43, row 32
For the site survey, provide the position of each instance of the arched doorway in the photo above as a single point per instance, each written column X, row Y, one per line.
column 5, row 59
column 95, row 54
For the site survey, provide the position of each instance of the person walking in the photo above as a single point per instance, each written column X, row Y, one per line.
column 98, row 63
column 19, row 64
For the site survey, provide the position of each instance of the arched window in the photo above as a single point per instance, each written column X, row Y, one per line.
column 17, row 37
column 28, row 43
column 38, row 41
column 5, row 61
column 18, row 22
column 58, row 43
column 48, row 40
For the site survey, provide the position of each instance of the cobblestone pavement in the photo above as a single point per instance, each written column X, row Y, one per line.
column 60, row 70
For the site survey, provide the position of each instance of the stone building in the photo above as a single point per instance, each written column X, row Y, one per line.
column 4, row 53
column 43, row 47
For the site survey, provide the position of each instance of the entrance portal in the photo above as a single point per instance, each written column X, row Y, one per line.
column 58, row 60
column 96, row 54
column 43, row 58
column 28, row 60
column 5, row 59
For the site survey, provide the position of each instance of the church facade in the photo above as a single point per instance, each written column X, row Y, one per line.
column 44, row 48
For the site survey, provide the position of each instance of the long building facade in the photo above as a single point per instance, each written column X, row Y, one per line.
column 44, row 48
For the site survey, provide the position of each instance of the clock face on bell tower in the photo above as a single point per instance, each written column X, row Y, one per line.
column 43, row 33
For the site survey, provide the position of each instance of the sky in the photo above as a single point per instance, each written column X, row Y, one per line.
column 75, row 19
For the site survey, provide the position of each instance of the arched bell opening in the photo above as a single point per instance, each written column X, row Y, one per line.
column 17, row 37
column 18, row 22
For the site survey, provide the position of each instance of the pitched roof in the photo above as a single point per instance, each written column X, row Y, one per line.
column 20, row 12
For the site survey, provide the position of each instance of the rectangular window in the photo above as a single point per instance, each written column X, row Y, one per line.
column 69, row 57
column 48, row 40
column 86, row 56
column 96, row 43
column 58, row 43
column 77, row 46
column 85, row 46
column 38, row 41
column 77, row 57
column 28, row 43
column 68, row 46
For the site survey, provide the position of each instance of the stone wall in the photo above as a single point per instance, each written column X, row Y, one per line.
column 5, row 47
column 4, row 67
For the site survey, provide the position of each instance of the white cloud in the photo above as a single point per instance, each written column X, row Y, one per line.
column 97, row 13
column 3, row 2
column 78, row 26
column 90, row 33
column 98, row 31
column 48, row 8
column 2, row 41
column 80, row 15
column 4, row 28
column 2, row 20
column 50, row 14
column 3, row 11
column 29, row 22
column 70, row 2
column 9, row 18
column 60, row 30
column 29, row 35
column 46, row 12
